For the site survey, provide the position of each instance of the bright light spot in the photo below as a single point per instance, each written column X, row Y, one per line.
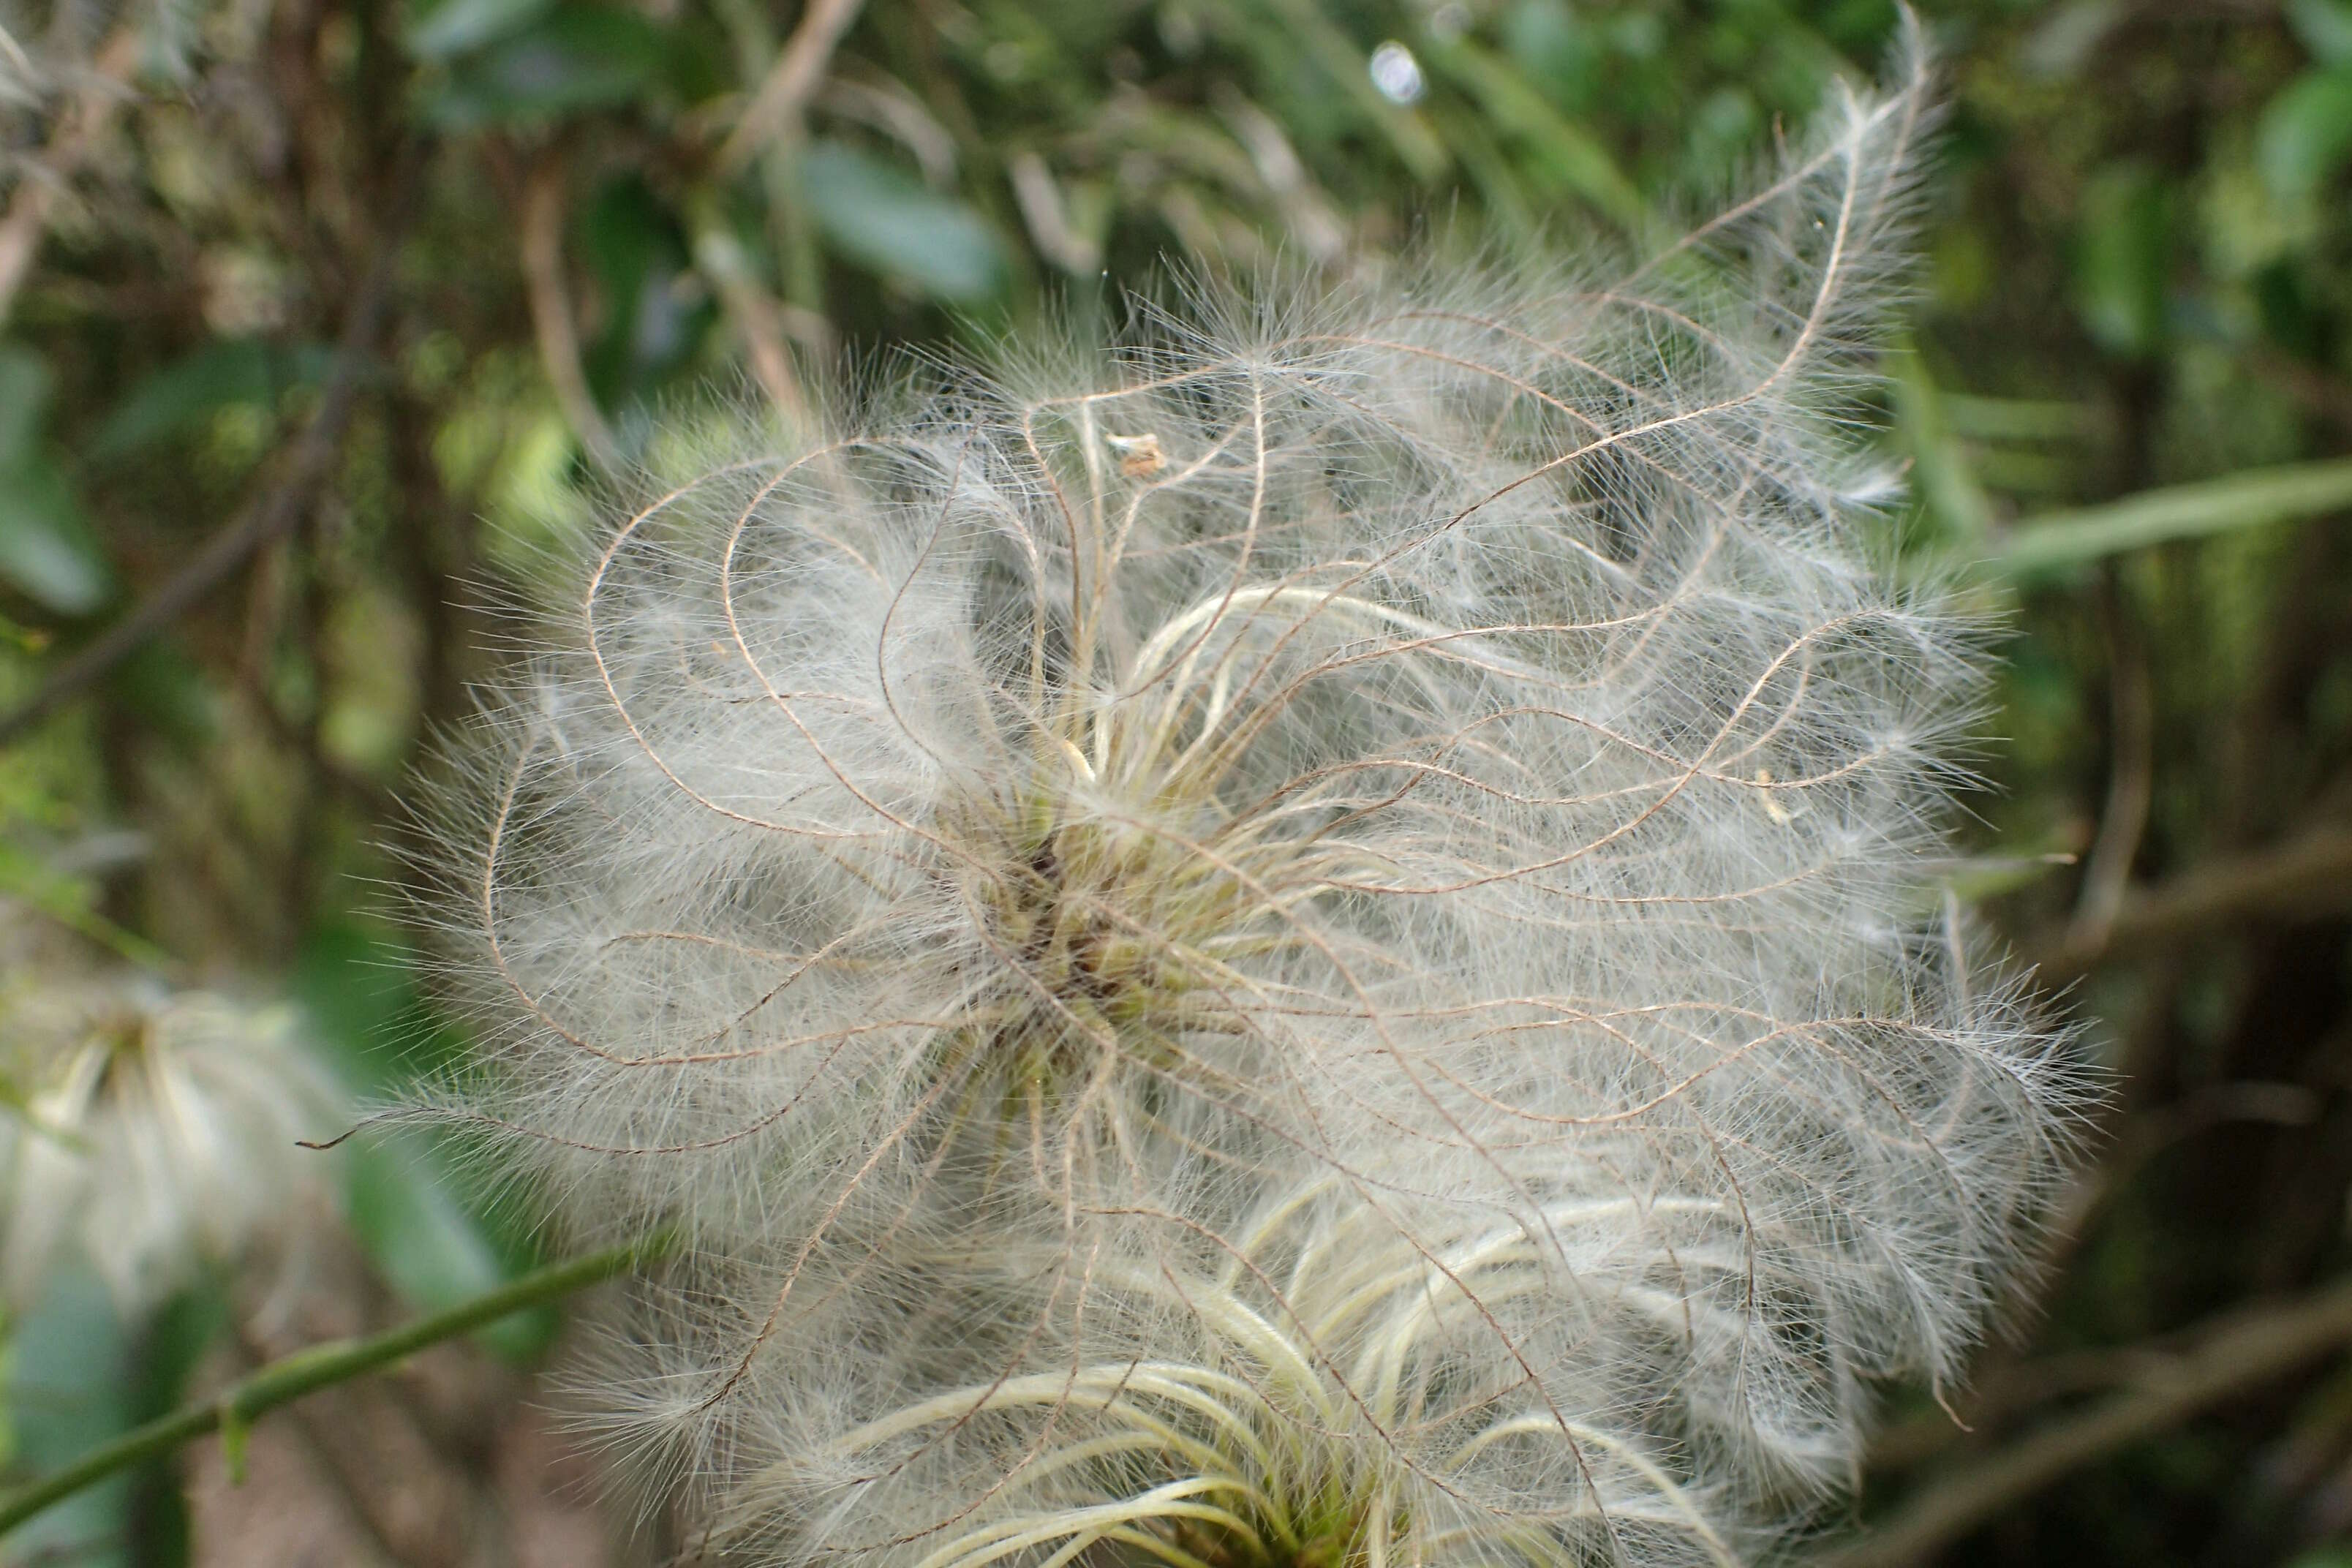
column 1396, row 74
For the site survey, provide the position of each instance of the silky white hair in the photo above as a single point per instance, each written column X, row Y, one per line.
column 1362, row 836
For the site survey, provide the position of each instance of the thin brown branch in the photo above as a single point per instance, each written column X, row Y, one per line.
column 274, row 516
column 2309, row 874
column 2131, row 786
column 2243, row 1351
column 776, row 108
column 755, row 315
column 551, row 313
column 1042, row 209
column 28, row 218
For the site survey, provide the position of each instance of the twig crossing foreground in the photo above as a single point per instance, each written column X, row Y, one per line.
column 320, row 1366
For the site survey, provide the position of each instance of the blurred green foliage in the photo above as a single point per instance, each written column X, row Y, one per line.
column 2126, row 405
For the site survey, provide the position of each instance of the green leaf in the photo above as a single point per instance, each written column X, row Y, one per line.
column 883, row 218
column 1564, row 153
column 2305, row 132
column 2064, row 43
column 1556, row 47
column 1945, row 478
column 1293, row 33
column 69, row 1389
column 48, row 552
column 455, row 26
column 181, row 396
column 573, row 58
column 2325, row 27
column 1975, row 879
column 24, row 383
column 655, row 311
column 2122, row 258
column 2025, row 419
column 436, row 1251
column 360, row 990
column 69, row 899
column 2057, row 541
column 409, row 1211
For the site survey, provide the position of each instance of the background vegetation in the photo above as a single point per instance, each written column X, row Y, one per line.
column 317, row 316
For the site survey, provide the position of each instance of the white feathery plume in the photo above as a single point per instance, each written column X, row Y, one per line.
column 153, row 1132
column 1451, row 749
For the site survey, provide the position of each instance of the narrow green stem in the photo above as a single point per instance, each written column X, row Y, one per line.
column 317, row 1367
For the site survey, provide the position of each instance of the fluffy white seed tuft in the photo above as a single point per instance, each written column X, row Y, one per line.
column 1303, row 942
column 151, row 1133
